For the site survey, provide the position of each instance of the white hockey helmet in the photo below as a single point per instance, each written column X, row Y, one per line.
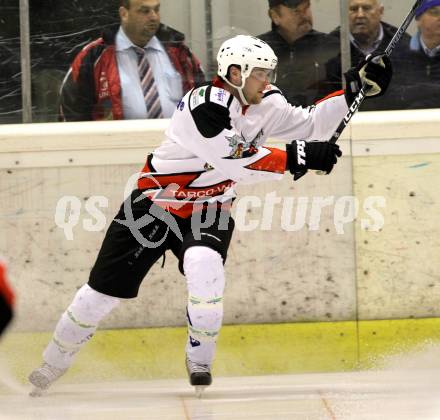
column 247, row 52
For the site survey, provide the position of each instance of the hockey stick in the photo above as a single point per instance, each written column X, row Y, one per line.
column 362, row 93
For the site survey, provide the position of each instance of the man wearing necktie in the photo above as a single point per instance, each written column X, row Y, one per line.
column 148, row 85
column 139, row 69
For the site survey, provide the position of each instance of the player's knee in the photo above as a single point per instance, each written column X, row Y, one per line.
column 90, row 306
column 204, row 272
column 201, row 258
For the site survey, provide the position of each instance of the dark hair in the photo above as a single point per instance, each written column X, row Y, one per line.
column 228, row 74
column 124, row 3
column 288, row 3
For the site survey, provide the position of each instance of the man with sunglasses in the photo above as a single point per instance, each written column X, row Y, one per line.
column 184, row 194
column 302, row 52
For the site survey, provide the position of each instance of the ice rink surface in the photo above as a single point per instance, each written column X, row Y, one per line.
column 389, row 395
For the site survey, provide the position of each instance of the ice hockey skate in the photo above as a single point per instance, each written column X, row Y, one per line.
column 199, row 376
column 43, row 377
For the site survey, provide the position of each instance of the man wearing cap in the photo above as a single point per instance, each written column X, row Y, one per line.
column 421, row 74
column 369, row 34
column 302, row 52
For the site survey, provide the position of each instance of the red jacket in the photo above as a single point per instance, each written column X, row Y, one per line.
column 7, row 299
column 92, row 88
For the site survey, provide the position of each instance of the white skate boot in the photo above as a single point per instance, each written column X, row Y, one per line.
column 43, row 377
column 199, row 376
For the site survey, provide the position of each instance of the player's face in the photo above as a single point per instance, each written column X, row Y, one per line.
column 429, row 24
column 298, row 19
column 141, row 20
column 256, row 83
column 364, row 17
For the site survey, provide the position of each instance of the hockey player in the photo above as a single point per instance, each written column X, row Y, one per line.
column 6, row 299
column 215, row 140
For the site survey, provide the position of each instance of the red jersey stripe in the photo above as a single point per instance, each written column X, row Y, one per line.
column 155, row 181
column 331, row 95
column 274, row 162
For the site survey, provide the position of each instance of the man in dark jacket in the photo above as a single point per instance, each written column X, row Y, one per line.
column 421, row 75
column 140, row 69
column 302, row 52
column 369, row 34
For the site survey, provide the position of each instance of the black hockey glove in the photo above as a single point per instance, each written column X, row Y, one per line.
column 375, row 70
column 319, row 155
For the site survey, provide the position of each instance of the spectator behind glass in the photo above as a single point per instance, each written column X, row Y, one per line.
column 369, row 34
column 104, row 81
column 302, row 52
column 422, row 72
column 59, row 30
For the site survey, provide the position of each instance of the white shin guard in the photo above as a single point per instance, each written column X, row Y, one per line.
column 205, row 277
column 77, row 325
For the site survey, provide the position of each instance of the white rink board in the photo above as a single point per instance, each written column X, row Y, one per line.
column 272, row 275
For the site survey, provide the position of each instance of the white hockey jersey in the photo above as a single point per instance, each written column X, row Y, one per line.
column 213, row 142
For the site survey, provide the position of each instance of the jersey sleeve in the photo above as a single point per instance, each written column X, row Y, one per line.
column 211, row 137
column 77, row 93
column 316, row 122
column 6, row 298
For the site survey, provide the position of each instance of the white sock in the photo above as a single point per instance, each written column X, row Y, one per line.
column 205, row 277
column 77, row 325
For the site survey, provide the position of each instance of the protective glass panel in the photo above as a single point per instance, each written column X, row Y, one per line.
column 58, row 31
column 10, row 72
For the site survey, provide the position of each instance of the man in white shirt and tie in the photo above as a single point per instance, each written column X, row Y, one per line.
column 139, row 70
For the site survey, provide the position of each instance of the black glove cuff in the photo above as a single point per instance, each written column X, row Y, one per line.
column 289, row 157
column 296, row 156
column 353, row 85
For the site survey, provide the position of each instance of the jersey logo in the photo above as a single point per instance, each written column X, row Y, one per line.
column 197, row 97
column 158, row 188
column 104, row 91
column 241, row 148
column 220, row 97
column 301, row 152
column 193, row 342
column 181, row 105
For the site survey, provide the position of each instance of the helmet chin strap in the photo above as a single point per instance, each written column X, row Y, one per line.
column 239, row 90
column 242, row 97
